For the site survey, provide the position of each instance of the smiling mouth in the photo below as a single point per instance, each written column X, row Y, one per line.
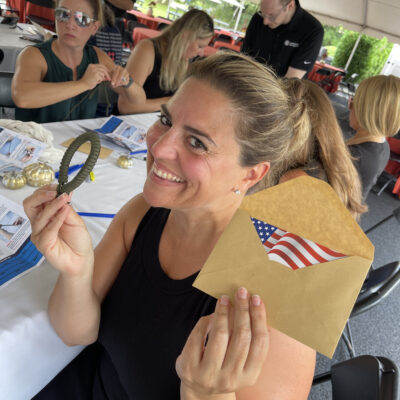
column 166, row 175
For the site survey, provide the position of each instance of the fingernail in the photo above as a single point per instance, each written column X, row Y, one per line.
column 256, row 300
column 224, row 300
column 242, row 293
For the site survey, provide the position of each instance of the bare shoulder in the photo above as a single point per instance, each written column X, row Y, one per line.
column 113, row 249
column 287, row 372
column 141, row 61
column 31, row 56
column 132, row 214
column 144, row 49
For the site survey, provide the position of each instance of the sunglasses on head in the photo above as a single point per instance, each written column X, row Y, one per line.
column 82, row 19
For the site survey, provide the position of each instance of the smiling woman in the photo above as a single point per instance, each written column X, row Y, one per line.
column 56, row 80
column 133, row 296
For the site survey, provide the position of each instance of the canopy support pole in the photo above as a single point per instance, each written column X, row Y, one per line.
column 353, row 51
column 359, row 36
column 239, row 15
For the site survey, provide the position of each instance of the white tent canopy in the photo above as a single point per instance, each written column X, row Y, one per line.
column 377, row 18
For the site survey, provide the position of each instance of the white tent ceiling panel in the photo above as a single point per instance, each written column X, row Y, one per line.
column 374, row 17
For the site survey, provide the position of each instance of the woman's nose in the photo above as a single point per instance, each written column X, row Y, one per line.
column 166, row 146
column 71, row 22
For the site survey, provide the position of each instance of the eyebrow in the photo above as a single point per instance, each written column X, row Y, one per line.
column 187, row 127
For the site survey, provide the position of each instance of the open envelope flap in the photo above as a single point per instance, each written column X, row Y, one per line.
column 310, row 304
column 311, row 209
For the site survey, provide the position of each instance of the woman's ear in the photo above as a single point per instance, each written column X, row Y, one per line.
column 256, row 173
column 96, row 27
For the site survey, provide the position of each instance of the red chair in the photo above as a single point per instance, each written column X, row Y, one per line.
column 41, row 12
column 392, row 169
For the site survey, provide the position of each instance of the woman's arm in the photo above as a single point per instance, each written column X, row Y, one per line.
column 31, row 69
column 85, row 278
column 287, row 373
column 243, row 360
column 119, row 78
column 140, row 65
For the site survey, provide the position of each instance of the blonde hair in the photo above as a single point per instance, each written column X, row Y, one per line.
column 174, row 41
column 97, row 7
column 259, row 101
column 377, row 106
column 318, row 139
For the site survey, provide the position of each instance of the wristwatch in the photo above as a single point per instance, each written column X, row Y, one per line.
column 129, row 84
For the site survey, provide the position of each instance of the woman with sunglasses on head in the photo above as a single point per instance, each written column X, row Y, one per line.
column 160, row 64
column 374, row 115
column 56, row 80
column 133, row 296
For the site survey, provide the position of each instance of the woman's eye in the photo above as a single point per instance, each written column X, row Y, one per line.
column 197, row 144
column 164, row 120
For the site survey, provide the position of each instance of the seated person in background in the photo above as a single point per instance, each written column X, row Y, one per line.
column 160, row 64
column 317, row 148
column 119, row 8
column 374, row 115
column 133, row 296
column 108, row 38
column 56, row 80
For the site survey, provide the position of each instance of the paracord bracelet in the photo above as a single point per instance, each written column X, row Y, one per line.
column 67, row 187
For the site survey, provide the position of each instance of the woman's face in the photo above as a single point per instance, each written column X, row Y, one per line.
column 193, row 157
column 196, row 48
column 69, row 32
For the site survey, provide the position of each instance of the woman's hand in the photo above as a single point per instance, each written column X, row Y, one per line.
column 119, row 76
column 58, row 232
column 95, row 74
column 233, row 356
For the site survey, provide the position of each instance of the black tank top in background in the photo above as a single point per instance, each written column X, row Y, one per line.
column 146, row 319
column 152, row 84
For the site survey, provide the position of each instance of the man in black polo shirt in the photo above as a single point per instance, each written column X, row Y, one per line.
column 285, row 36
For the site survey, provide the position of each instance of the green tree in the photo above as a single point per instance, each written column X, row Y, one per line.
column 332, row 35
column 368, row 59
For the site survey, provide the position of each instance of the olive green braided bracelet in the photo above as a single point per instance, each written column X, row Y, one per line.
column 67, row 187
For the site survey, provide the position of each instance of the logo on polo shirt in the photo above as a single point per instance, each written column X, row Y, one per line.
column 290, row 44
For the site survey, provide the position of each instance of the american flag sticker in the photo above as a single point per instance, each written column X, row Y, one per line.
column 291, row 250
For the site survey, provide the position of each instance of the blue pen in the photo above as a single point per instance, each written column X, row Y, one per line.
column 71, row 169
column 100, row 215
column 137, row 152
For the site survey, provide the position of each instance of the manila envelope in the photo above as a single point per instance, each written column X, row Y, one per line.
column 310, row 304
column 85, row 148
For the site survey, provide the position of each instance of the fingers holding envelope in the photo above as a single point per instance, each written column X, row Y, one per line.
column 225, row 351
column 57, row 231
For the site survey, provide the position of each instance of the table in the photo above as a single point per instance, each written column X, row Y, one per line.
column 143, row 33
column 329, row 81
column 151, row 22
column 11, row 44
column 31, row 352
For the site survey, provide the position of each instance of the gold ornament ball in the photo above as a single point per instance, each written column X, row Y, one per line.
column 14, row 180
column 39, row 174
column 125, row 162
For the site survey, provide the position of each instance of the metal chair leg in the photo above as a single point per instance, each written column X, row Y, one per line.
column 348, row 340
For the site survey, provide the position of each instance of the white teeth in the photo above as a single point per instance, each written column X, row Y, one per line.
column 166, row 175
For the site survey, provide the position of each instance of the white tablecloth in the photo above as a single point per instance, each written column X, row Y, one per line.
column 31, row 354
column 11, row 44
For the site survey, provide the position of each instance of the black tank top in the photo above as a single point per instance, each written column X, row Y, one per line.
column 145, row 321
column 152, row 84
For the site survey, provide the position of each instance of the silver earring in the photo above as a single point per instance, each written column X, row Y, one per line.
column 237, row 191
